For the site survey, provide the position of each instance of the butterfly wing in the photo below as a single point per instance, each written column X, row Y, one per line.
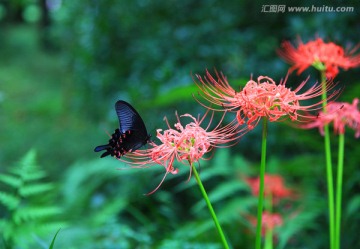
column 129, row 118
column 132, row 125
column 130, row 136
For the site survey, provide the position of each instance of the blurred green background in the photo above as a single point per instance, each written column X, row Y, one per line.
column 65, row 63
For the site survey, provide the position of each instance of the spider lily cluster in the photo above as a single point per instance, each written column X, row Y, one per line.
column 262, row 98
column 309, row 105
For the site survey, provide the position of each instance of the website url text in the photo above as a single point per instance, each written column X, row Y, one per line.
column 324, row 8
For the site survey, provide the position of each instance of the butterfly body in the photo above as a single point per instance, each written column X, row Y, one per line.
column 131, row 134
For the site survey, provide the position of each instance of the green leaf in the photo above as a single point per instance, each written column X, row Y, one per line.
column 35, row 213
column 33, row 174
column 35, row 189
column 295, row 224
column 28, row 159
column 224, row 191
column 175, row 95
column 28, row 173
column 353, row 206
column 53, row 240
column 10, row 180
column 9, row 201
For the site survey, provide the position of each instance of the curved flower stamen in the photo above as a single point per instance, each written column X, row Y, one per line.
column 261, row 98
column 186, row 144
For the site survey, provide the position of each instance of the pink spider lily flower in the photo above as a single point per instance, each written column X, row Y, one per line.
column 261, row 98
column 324, row 56
column 274, row 187
column 186, row 144
column 269, row 221
column 340, row 114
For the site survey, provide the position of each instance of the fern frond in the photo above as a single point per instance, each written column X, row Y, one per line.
column 27, row 174
column 29, row 159
column 10, row 180
column 35, row 213
column 35, row 189
column 27, row 168
column 8, row 230
column 34, row 175
column 10, row 201
column 28, row 206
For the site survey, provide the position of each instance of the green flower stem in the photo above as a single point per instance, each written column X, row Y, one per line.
column 269, row 232
column 212, row 212
column 339, row 189
column 261, row 189
column 269, row 239
column 329, row 174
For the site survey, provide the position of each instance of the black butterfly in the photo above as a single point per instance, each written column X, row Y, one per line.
column 131, row 135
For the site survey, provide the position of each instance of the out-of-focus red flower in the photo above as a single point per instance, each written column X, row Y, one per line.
column 187, row 144
column 261, row 98
column 269, row 221
column 323, row 56
column 340, row 114
column 274, row 187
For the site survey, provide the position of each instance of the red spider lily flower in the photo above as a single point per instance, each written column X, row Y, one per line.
column 324, row 56
column 341, row 114
column 274, row 187
column 261, row 98
column 269, row 221
column 186, row 144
